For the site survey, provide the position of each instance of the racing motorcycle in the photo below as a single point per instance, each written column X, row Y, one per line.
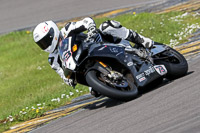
column 116, row 71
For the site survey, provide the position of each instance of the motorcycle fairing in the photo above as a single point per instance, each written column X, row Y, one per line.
column 142, row 75
column 106, row 50
column 145, row 74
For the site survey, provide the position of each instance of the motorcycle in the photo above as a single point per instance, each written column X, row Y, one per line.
column 116, row 71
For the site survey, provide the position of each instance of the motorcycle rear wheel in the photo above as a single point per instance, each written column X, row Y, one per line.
column 94, row 80
column 175, row 64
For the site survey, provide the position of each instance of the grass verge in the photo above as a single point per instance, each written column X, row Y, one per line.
column 29, row 87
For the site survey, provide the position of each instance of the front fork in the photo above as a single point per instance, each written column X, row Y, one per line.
column 109, row 72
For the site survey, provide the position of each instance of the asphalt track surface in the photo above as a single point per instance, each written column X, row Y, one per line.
column 20, row 14
column 172, row 107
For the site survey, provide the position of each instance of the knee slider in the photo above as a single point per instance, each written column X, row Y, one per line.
column 110, row 23
column 115, row 24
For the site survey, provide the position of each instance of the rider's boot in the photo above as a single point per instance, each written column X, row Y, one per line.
column 139, row 39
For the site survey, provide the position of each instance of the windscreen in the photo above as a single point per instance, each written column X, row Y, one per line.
column 63, row 48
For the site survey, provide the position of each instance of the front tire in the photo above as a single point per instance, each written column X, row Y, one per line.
column 94, row 81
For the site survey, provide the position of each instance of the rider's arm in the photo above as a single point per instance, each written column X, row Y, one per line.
column 77, row 27
column 55, row 64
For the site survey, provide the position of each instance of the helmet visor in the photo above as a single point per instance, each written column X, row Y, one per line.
column 46, row 41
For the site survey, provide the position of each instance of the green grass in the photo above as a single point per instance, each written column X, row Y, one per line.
column 26, row 78
column 158, row 27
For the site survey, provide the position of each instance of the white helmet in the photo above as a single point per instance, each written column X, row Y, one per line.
column 46, row 35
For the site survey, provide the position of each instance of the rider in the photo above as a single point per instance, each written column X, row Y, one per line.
column 47, row 36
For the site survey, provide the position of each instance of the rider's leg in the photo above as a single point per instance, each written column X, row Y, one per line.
column 116, row 30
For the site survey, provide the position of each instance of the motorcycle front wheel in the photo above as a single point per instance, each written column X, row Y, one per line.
column 123, row 90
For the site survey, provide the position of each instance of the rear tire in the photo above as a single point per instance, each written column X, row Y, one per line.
column 176, row 65
column 114, row 93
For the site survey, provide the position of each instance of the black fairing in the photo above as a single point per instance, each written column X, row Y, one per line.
column 143, row 71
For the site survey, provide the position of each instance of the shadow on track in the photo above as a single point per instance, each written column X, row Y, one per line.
column 107, row 103
column 158, row 83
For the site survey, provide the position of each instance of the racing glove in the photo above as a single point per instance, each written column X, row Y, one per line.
column 69, row 82
column 92, row 31
column 93, row 34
